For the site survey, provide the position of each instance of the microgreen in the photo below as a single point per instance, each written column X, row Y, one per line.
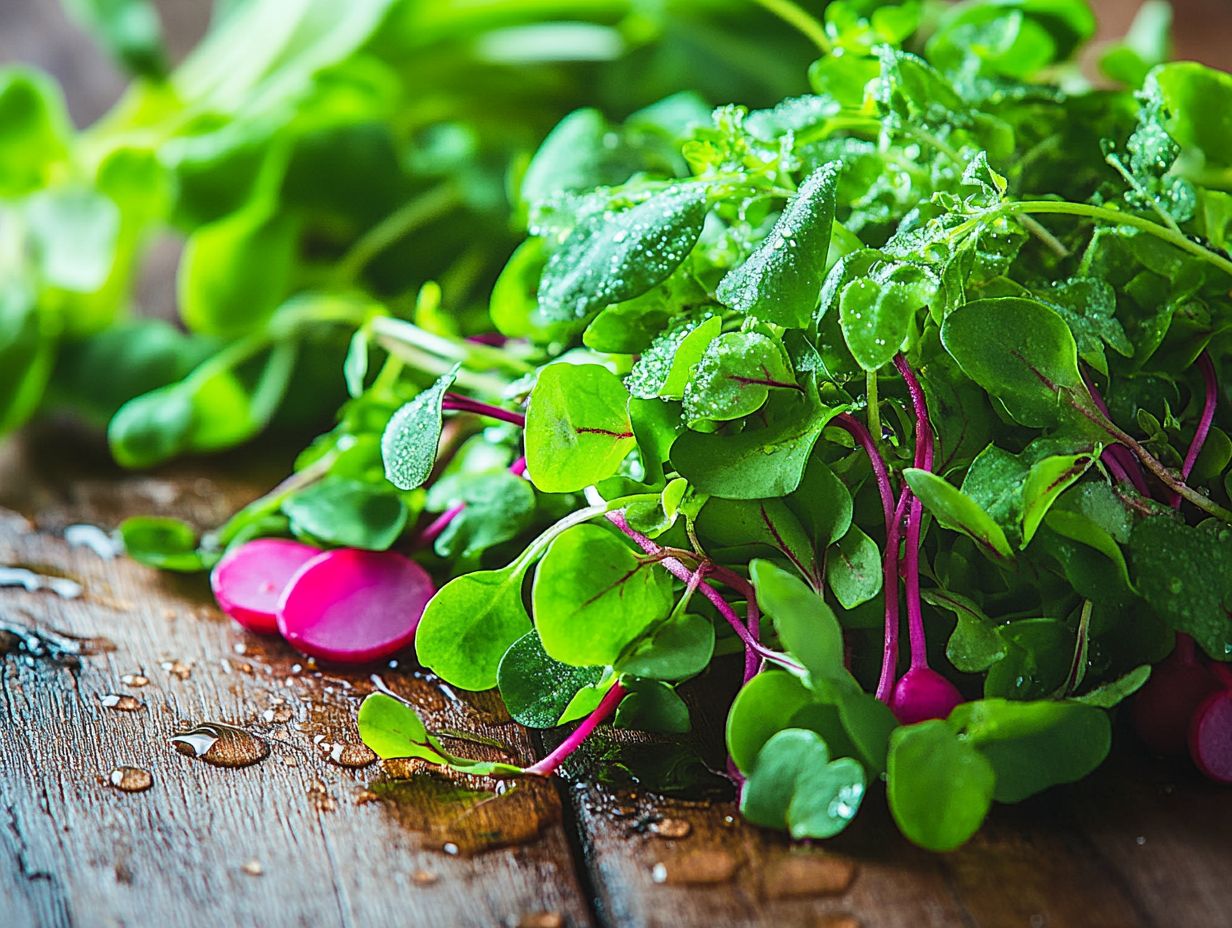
column 937, row 347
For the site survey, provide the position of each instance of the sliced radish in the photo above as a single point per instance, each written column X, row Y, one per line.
column 351, row 606
column 249, row 580
column 1210, row 736
column 1162, row 709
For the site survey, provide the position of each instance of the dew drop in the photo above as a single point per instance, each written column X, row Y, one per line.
column 135, row 680
column 702, row 867
column 542, row 920
column 122, row 702
column 130, row 779
column 253, row 867
column 671, row 828
column 221, row 745
column 813, row 874
column 424, row 878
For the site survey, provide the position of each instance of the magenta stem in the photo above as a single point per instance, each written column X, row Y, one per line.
column 455, row 402
column 893, row 519
column 1119, row 460
column 911, row 553
column 607, row 705
column 1209, row 401
column 677, row 569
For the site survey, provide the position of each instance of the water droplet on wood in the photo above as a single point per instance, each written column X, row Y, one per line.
column 278, row 715
column 104, row 544
column 671, row 828
column 130, row 779
column 253, row 867
column 135, row 680
column 32, row 582
column 177, row 668
column 424, row 878
column 221, row 745
column 701, row 867
column 122, row 702
column 350, row 754
column 813, row 874
column 320, row 797
column 542, row 920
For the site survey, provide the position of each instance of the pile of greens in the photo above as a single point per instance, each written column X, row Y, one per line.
column 946, row 336
column 315, row 159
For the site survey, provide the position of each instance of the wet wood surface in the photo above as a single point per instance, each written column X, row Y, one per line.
column 299, row 838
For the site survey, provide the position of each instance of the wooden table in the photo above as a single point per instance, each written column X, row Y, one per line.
column 300, row 838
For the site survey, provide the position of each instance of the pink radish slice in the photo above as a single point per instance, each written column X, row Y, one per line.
column 351, row 606
column 1210, row 737
column 1161, row 710
column 249, row 580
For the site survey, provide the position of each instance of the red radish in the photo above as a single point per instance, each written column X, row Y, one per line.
column 351, row 606
column 249, row 580
column 1210, row 736
column 923, row 694
column 1162, row 709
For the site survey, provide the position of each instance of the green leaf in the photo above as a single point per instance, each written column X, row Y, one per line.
column 129, row 29
column 681, row 647
column 1185, row 574
column 758, row 462
column 734, row 377
column 469, row 625
column 957, row 511
column 733, row 528
column 764, row 705
column 664, row 368
column 1045, row 483
column 74, row 233
column 592, row 596
column 536, row 689
column 577, row 427
column 781, row 281
column 610, row 258
column 974, row 645
column 237, row 271
column 348, row 513
column 652, row 705
column 876, row 312
column 795, row 786
column 1034, row 745
column 412, row 436
column 938, row 786
column 1018, row 350
column 854, row 569
column 165, row 543
column 391, row 728
column 498, row 505
column 152, row 427
column 1037, row 660
column 36, row 130
column 1114, row 692
column 805, row 624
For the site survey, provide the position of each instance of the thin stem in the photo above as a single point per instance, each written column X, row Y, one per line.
column 1209, row 401
column 874, row 406
column 911, row 553
column 456, row 403
column 1210, row 507
column 1036, row 228
column 607, row 705
column 402, row 221
column 475, row 352
column 802, row 21
column 893, row 519
column 1123, row 465
column 677, row 569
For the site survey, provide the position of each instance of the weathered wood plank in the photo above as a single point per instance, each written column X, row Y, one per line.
column 333, row 845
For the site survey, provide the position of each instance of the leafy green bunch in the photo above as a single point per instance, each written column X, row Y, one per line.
column 312, row 157
column 943, row 337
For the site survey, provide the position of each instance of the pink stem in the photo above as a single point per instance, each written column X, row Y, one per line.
column 677, row 569
column 456, row 403
column 911, row 553
column 1119, row 460
column 893, row 519
column 441, row 522
column 607, row 705
column 1204, row 423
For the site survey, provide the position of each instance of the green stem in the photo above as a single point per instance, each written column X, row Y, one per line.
column 1117, row 217
column 874, row 405
column 402, row 221
column 804, row 22
column 458, row 350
